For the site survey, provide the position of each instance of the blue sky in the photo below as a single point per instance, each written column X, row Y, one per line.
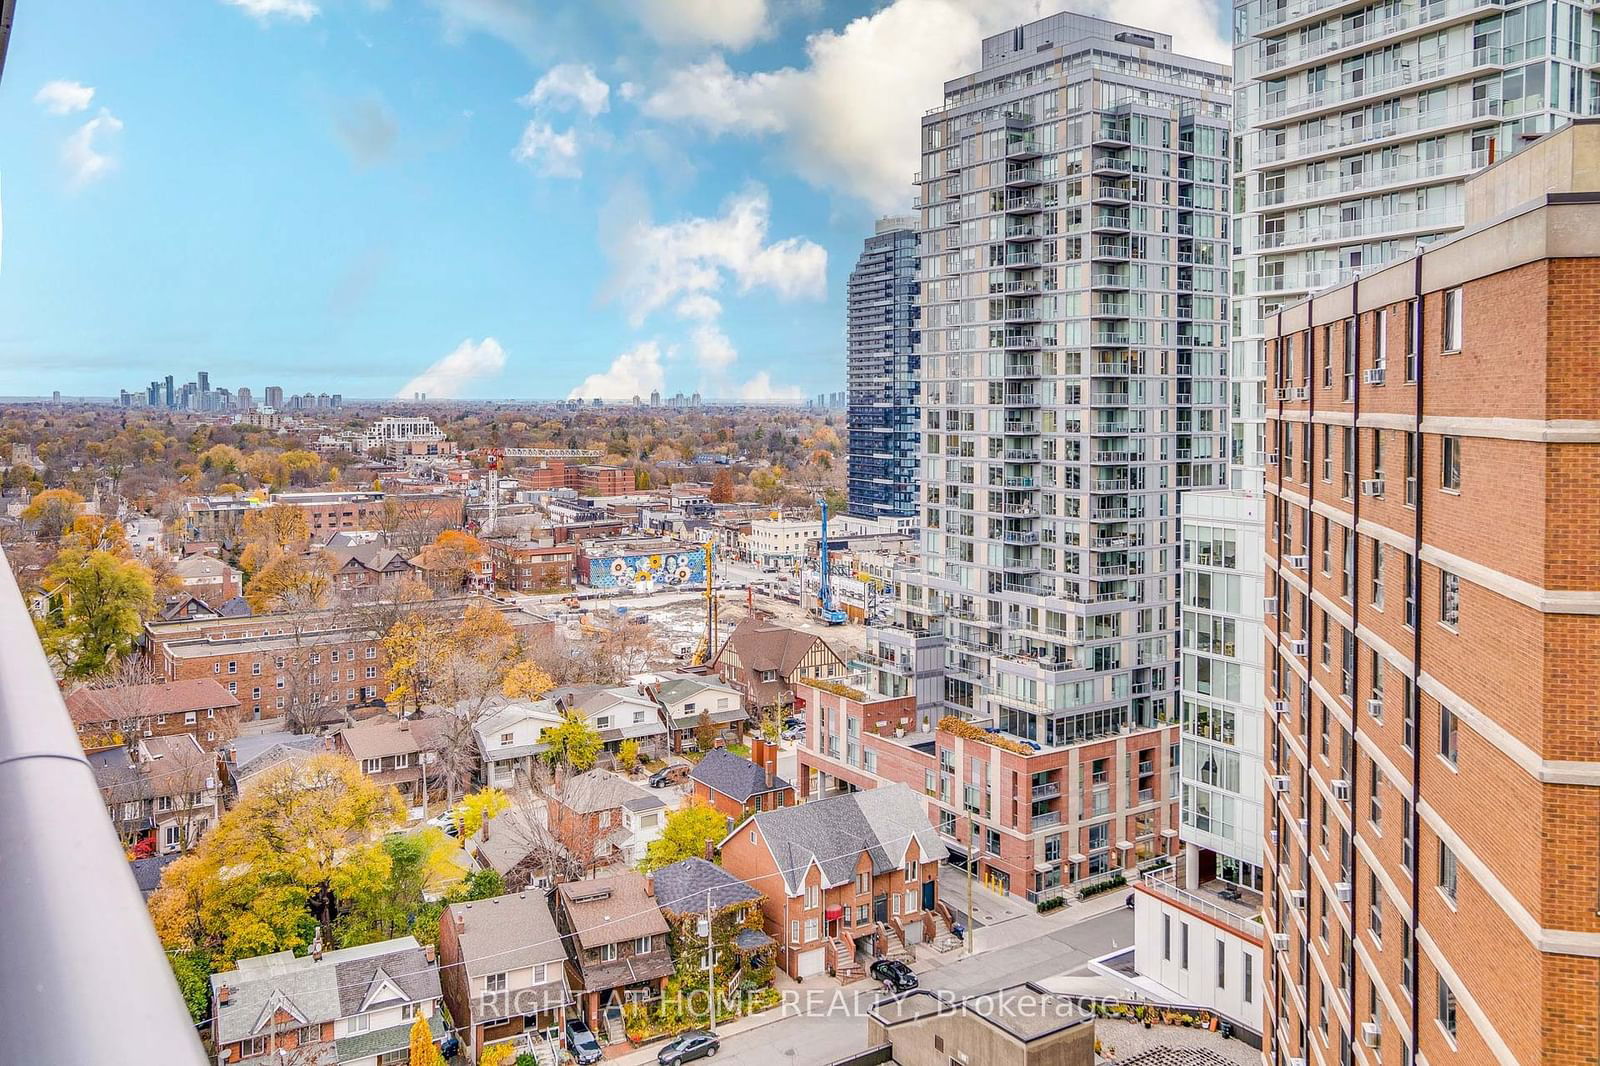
column 479, row 198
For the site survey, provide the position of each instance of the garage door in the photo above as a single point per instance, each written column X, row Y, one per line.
column 812, row 963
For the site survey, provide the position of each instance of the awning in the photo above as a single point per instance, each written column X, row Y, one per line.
column 833, row 913
column 751, row 940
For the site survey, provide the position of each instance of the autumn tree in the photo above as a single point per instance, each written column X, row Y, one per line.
column 302, row 848
column 422, row 866
column 479, row 807
column 423, row 1052
column 51, row 512
column 628, row 756
column 280, row 528
column 451, row 559
column 722, row 486
column 99, row 603
column 688, row 834
column 573, row 744
column 300, row 582
column 705, row 731
column 526, row 680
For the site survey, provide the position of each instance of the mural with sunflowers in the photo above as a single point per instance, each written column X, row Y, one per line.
column 652, row 572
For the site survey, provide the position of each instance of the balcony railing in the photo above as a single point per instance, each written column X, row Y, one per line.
column 1164, row 883
column 76, row 924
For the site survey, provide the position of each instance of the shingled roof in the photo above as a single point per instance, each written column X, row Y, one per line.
column 734, row 776
column 99, row 705
column 684, row 887
column 832, row 834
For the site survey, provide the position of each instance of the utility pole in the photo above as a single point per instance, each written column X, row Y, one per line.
column 711, row 968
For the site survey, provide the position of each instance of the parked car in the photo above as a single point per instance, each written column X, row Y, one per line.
column 695, row 1044
column 794, row 721
column 896, row 976
column 447, row 822
column 676, row 774
column 796, row 733
column 582, row 1044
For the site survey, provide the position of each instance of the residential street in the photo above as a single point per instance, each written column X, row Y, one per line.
column 836, row 1026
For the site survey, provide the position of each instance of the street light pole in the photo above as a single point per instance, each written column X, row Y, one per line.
column 972, row 860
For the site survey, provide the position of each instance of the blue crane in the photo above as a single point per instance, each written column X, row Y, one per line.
column 826, row 610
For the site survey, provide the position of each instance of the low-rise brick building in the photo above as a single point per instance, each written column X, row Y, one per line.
column 843, row 879
column 201, row 708
column 739, row 787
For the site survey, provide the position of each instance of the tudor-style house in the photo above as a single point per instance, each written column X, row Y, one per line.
column 843, row 880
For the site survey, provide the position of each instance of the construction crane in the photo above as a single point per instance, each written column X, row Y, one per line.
column 708, row 643
column 826, row 610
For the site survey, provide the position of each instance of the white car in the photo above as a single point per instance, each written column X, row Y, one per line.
column 447, row 822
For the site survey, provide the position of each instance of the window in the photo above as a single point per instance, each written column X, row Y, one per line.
column 1411, row 469
column 1380, row 337
column 233, row 666
column 371, row 766
column 1408, row 725
column 1449, row 728
column 794, row 932
column 1412, row 573
column 1408, row 841
column 541, row 973
column 1377, row 574
column 1351, row 339
column 1374, row 907
column 1375, row 796
column 641, row 945
column 255, row 669
column 359, row 1023
column 1407, row 981
column 1450, row 599
column 1452, row 320
column 1413, row 321
column 812, row 897
column 811, row 929
column 1327, row 452
column 1249, row 976
column 1222, row 963
column 1183, row 945
column 1166, row 937
column 1448, row 872
column 1447, row 1009
column 1450, row 464
column 495, row 982
column 607, row 952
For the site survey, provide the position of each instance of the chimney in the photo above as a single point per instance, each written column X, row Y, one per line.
column 650, row 885
column 316, row 947
column 711, row 851
column 461, row 922
column 224, row 994
column 428, row 954
column 405, row 725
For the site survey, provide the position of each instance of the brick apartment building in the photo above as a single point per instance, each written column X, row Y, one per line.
column 1042, row 816
column 219, row 518
column 855, row 875
column 587, row 480
column 1433, row 609
column 327, row 659
column 531, row 566
column 201, row 708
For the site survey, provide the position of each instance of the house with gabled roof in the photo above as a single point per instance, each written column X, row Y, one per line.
column 738, row 787
column 764, row 658
column 351, row 1007
column 688, row 699
column 843, row 880
column 617, row 712
column 503, row 971
column 616, row 942
column 600, row 817
column 510, row 738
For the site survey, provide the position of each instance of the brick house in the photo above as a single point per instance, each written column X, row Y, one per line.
column 366, row 564
column 503, row 971
column 529, row 565
column 208, row 579
column 616, row 941
column 739, row 787
column 1042, row 816
column 399, row 752
column 201, row 708
column 599, row 818
column 763, row 659
column 163, row 789
column 354, row 1006
column 843, row 879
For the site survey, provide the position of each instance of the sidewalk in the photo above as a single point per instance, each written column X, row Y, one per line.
column 627, row 1055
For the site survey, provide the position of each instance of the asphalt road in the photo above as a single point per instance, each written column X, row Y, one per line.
column 836, row 1027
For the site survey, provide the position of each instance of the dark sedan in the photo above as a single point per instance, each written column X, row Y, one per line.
column 581, row 1042
column 695, row 1044
column 893, row 975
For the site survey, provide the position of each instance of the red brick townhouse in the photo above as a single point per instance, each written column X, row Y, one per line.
column 1039, row 816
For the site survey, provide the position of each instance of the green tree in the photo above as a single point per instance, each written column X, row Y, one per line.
column 192, row 969
column 421, row 865
column 98, row 610
column 574, row 743
column 302, row 848
column 687, row 834
column 480, row 884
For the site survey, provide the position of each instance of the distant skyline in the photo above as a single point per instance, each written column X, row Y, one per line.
column 471, row 198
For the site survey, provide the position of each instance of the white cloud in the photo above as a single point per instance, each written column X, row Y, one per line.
column 734, row 24
column 636, row 372
column 713, row 351
column 555, row 155
column 298, row 10
column 849, row 116
column 657, row 264
column 64, row 97
column 446, row 378
column 574, row 83
column 761, row 387
column 512, row 21
column 82, row 154
column 699, row 306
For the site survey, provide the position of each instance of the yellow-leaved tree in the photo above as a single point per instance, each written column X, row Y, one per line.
column 423, row 1053
column 479, row 807
column 526, row 680
column 303, row 846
